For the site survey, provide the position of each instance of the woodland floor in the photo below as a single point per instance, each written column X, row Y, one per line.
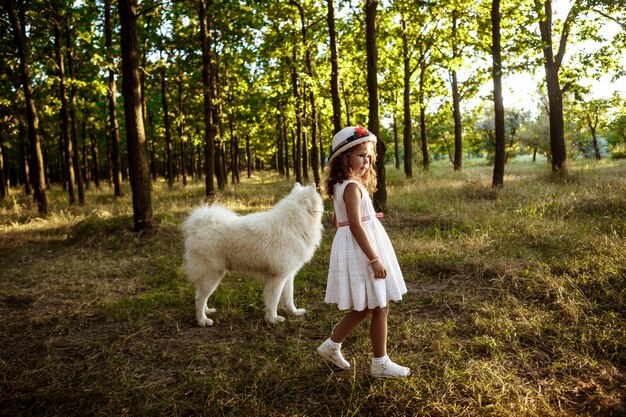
column 516, row 306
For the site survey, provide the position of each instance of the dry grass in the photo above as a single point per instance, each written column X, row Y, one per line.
column 515, row 307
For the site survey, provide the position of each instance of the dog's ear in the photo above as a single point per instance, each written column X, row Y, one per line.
column 296, row 186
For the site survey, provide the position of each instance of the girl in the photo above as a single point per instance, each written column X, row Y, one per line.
column 364, row 273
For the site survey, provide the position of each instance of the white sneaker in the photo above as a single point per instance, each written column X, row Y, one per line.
column 389, row 369
column 332, row 355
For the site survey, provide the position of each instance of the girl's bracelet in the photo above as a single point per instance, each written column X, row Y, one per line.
column 374, row 260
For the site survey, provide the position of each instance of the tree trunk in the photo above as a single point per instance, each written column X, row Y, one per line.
column 380, row 196
column 169, row 161
column 37, row 173
column 209, row 146
column 408, row 131
column 297, row 150
column 396, row 146
column 115, row 163
column 286, row 143
column 334, row 68
column 135, row 131
column 181, row 131
column 456, row 103
column 423, row 139
column 347, row 103
column 594, row 139
column 95, row 157
column 72, row 109
column 248, row 156
column 498, row 167
column 315, row 163
column 220, row 171
column 4, row 189
column 552, row 65
column 24, row 158
column 65, row 118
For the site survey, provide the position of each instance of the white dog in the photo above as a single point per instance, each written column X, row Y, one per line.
column 271, row 246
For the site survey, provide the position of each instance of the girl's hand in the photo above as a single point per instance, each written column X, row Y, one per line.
column 379, row 269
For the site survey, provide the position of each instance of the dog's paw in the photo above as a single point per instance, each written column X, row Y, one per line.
column 205, row 322
column 298, row 311
column 275, row 319
column 208, row 310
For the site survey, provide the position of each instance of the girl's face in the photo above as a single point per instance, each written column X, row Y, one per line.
column 360, row 159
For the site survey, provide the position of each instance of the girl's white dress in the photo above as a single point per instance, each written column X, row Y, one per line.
column 351, row 282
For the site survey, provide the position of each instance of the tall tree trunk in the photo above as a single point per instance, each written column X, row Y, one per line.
column 286, row 142
column 72, row 109
column 456, row 101
column 408, row 131
column 34, row 136
column 248, row 156
column 297, row 154
column 220, row 171
column 181, row 131
column 135, row 131
column 592, row 124
column 209, row 146
column 380, row 196
column 422, row 105
column 396, row 145
column 154, row 160
column 115, row 163
column 315, row 163
column 65, row 118
column 552, row 65
column 334, row 68
column 24, row 158
column 498, row 105
column 95, row 157
column 347, row 103
column 85, row 159
column 4, row 188
column 169, row 162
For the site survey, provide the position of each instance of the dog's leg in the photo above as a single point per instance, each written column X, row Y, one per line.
column 271, row 295
column 204, row 289
column 287, row 298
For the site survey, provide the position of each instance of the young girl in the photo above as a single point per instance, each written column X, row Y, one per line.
column 364, row 274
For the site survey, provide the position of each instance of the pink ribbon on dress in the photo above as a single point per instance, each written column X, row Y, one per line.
column 363, row 219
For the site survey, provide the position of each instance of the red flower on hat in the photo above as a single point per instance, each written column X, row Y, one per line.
column 360, row 132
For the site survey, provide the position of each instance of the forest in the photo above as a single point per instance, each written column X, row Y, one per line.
column 508, row 218
column 100, row 92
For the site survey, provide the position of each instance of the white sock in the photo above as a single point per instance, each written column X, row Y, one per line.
column 332, row 344
column 380, row 361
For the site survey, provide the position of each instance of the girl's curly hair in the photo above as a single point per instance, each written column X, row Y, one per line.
column 339, row 171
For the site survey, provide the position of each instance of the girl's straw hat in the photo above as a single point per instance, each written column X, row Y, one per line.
column 349, row 137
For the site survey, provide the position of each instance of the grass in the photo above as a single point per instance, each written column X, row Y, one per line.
column 516, row 306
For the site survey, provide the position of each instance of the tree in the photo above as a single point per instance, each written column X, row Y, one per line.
column 498, row 168
column 334, row 72
column 135, row 132
column 114, row 131
column 209, row 146
column 552, row 64
column 37, row 169
column 65, row 118
column 373, row 124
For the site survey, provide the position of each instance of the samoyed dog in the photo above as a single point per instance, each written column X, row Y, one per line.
column 271, row 246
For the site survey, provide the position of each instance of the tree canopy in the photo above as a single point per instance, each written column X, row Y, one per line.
column 252, row 87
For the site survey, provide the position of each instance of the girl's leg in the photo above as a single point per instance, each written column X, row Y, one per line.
column 348, row 324
column 330, row 349
column 378, row 331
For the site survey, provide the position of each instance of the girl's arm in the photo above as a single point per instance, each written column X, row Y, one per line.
column 352, row 199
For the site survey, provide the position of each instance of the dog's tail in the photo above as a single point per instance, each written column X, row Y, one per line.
column 207, row 216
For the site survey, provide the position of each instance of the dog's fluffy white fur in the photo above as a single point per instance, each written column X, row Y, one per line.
column 271, row 246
